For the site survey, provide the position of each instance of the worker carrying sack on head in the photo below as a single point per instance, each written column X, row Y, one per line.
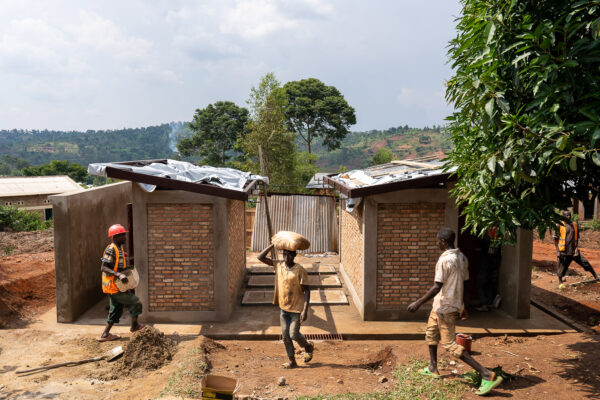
column 114, row 265
column 292, row 292
column 566, row 236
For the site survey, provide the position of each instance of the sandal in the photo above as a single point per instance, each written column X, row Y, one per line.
column 487, row 386
column 289, row 365
column 426, row 372
column 140, row 326
column 308, row 355
column 109, row 338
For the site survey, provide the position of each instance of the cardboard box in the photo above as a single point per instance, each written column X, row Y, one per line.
column 218, row 387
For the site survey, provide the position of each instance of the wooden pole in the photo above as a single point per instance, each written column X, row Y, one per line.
column 266, row 203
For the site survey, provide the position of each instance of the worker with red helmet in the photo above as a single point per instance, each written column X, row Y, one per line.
column 114, row 263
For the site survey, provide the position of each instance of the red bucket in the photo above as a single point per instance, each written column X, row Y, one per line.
column 465, row 341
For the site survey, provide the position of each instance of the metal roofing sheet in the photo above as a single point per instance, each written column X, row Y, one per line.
column 36, row 185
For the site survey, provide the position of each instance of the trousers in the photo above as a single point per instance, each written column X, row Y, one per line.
column 290, row 330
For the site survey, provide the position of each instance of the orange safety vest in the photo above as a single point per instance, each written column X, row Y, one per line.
column 563, row 236
column 108, row 281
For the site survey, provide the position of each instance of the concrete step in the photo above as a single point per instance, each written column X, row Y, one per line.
column 311, row 269
column 315, row 281
column 317, row 297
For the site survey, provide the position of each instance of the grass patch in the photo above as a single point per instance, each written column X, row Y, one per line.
column 9, row 249
column 411, row 385
column 185, row 382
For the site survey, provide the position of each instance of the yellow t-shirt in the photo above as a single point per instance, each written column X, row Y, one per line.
column 288, row 287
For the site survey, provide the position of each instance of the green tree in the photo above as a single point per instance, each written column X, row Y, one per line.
column 383, row 156
column 215, row 129
column 75, row 171
column 316, row 110
column 527, row 93
column 284, row 166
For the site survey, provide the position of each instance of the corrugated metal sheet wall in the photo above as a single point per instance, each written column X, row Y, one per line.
column 311, row 216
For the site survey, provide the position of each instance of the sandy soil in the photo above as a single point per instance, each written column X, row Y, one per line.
column 561, row 366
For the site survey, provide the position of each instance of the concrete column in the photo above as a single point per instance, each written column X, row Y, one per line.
column 515, row 276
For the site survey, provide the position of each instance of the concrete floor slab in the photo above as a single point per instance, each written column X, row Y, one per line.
column 317, row 297
column 317, row 268
column 317, row 281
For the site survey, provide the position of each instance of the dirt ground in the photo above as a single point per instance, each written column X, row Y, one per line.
column 560, row 366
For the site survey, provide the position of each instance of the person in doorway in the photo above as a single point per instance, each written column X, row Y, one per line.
column 491, row 254
column 566, row 236
column 451, row 271
column 292, row 294
column 113, row 265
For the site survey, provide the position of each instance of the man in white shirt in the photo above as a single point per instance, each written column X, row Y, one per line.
column 451, row 270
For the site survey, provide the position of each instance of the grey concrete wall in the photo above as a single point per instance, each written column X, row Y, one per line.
column 370, row 243
column 515, row 276
column 221, row 268
column 81, row 222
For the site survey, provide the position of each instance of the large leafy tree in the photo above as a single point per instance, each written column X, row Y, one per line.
column 75, row 171
column 216, row 129
column 316, row 110
column 526, row 128
column 266, row 128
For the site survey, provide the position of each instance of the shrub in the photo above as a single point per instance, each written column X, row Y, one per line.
column 20, row 220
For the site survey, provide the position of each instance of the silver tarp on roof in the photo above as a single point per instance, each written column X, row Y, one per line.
column 227, row 178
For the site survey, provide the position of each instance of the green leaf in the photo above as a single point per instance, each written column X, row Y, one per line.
column 491, row 31
column 561, row 143
column 491, row 164
column 573, row 163
column 489, row 107
column 570, row 63
column 596, row 158
column 554, row 107
column 595, row 136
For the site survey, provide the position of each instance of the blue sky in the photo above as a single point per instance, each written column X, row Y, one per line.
column 113, row 64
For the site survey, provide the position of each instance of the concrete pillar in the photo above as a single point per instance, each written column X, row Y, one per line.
column 515, row 276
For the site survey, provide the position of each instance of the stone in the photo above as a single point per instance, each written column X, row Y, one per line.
column 281, row 381
column 383, row 379
column 340, row 381
column 452, row 362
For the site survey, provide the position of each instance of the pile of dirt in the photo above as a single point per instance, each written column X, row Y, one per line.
column 383, row 359
column 148, row 349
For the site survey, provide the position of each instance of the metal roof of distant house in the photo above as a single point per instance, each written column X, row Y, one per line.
column 36, row 185
column 180, row 175
column 316, row 182
column 384, row 178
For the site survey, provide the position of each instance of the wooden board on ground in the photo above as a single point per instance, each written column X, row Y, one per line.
column 317, row 297
column 316, row 281
column 259, row 269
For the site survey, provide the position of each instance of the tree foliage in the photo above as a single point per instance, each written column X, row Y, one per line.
column 75, row 171
column 527, row 93
column 316, row 110
column 20, row 220
column 383, row 156
column 286, row 168
column 216, row 130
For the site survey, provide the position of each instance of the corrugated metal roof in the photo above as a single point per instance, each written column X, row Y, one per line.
column 316, row 182
column 314, row 217
column 35, row 185
column 398, row 170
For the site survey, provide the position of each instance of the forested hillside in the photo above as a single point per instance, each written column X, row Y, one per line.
column 19, row 148
column 40, row 147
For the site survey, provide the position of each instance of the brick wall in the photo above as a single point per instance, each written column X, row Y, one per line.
column 406, row 251
column 352, row 247
column 180, row 257
column 236, row 251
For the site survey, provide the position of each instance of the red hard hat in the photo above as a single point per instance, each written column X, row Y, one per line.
column 116, row 229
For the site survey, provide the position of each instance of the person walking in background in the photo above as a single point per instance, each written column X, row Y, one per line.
column 451, row 271
column 114, row 263
column 292, row 294
column 566, row 236
column 487, row 273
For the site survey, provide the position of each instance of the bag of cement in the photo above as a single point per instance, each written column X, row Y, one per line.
column 292, row 241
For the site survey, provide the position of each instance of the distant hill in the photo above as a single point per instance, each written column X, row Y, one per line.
column 405, row 142
column 40, row 147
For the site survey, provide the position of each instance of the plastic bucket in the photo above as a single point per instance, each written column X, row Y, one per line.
column 465, row 341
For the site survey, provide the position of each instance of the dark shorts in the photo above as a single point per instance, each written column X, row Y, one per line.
column 120, row 300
